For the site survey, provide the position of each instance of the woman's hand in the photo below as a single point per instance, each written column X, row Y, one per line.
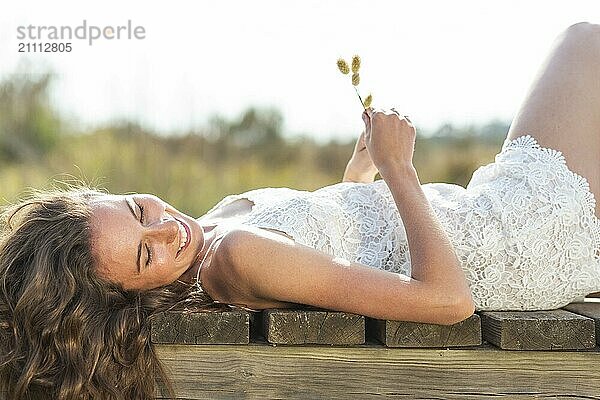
column 360, row 168
column 389, row 139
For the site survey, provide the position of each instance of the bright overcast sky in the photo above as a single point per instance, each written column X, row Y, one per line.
column 438, row 61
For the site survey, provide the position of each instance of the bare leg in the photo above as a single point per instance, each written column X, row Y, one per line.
column 562, row 108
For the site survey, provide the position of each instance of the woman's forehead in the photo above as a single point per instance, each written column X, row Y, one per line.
column 111, row 215
column 109, row 198
column 113, row 234
column 106, row 200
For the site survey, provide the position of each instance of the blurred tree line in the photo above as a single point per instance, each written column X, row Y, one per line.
column 195, row 170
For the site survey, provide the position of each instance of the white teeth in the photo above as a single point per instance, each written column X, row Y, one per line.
column 183, row 234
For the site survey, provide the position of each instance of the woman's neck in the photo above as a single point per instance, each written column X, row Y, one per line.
column 210, row 232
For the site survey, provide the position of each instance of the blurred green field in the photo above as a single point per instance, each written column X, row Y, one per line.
column 195, row 170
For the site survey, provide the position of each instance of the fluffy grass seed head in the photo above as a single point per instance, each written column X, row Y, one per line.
column 343, row 66
column 355, row 64
column 368, row 100
column 355, row 79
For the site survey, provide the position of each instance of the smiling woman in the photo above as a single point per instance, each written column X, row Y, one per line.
column 141, row 241
column 68, row 328
column 83, row 273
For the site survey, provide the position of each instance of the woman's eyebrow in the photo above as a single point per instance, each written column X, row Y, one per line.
column 139, row 252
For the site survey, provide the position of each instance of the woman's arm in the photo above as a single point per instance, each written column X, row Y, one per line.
column 351, row 175
column 390, row 140
column 360, row 167
column 433, row 260
column 265, row 270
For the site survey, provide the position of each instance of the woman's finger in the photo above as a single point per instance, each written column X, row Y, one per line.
column 367, row 120
column 360, row 143
column 401, row 116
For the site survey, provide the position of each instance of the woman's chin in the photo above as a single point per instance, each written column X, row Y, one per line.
column 194, row 263
column 197, row 234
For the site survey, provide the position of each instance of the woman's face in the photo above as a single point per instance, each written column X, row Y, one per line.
column 137, row 240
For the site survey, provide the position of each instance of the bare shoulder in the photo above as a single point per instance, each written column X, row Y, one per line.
column 231, row 268
column 269, row 269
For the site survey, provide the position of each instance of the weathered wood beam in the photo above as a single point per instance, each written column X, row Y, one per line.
column 590, row 309
column 226, row 327
column 258, row 371
column 414, row 334
column 291, row 326
column 538, row 330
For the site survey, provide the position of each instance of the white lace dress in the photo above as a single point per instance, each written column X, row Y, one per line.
column 524, row 228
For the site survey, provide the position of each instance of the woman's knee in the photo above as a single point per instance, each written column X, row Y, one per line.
column 584, row 35
column 583, row 28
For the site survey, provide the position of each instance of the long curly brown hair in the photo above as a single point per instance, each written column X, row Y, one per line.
column 65, row 332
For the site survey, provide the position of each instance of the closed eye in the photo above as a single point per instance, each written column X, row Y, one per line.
column 141, row 211
column 149, row 260
column 142, row 218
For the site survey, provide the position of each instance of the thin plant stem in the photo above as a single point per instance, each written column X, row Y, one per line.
column 361, row 102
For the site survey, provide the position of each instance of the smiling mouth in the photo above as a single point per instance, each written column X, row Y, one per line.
column 185, row 236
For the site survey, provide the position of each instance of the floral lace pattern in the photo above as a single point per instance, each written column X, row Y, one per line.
column 524, row 228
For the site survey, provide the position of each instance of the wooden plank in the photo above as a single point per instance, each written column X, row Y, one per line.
column 223, row 327
column 258, row 371
column 590, row 309
column 300, row 326
column 538, row 330
column 414, row 334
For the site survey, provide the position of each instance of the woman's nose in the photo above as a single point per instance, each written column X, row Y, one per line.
column 166, row 229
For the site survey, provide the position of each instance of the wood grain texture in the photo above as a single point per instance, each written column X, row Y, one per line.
column 290, row 326
column 414, row 334
column 538, row 330
column 227, row 327
column 263, row 371
column 590, row 309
